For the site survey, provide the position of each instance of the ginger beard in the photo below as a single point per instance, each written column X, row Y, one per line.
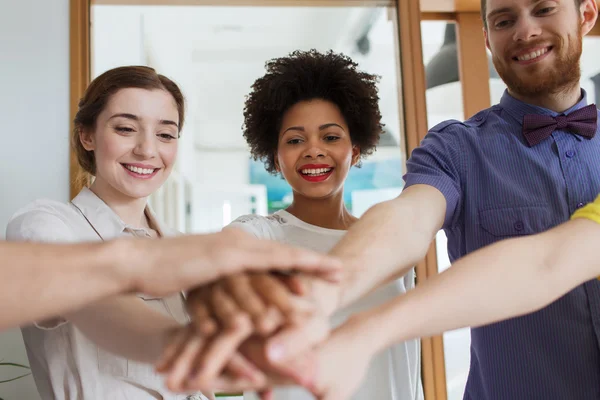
column 538, row 79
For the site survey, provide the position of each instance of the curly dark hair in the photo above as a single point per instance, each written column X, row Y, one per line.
column 307, row 75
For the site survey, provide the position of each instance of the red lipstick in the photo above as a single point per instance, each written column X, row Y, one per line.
column 316, row 178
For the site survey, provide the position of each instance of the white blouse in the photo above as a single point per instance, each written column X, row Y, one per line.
column 65, row 364
column 393, row 374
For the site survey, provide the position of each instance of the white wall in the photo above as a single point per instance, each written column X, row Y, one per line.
column 34, row 109
column 125, row 29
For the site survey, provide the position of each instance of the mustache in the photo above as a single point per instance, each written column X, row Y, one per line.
column 536, row 43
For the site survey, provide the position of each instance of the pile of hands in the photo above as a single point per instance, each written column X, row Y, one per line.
column 257, row 331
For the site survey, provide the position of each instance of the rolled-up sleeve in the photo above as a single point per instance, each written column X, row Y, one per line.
column 437, row 162
column 256, row 225
column 40, row 225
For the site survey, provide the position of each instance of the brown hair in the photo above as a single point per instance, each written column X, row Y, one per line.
column 484, row 10
column 99, row 92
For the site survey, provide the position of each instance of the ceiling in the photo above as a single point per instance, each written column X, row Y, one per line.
column 215, row 53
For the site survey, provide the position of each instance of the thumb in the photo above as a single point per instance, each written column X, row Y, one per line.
column 297, row 339
column 302, row 370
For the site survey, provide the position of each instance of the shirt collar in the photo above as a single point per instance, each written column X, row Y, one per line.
column 104, row 220
column 518, row 109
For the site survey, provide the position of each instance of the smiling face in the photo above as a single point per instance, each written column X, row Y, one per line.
column 315, row 151
column 134, row 142
column 536, row 44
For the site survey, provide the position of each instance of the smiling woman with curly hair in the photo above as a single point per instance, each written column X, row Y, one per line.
column 305, row 76
column 311, row 117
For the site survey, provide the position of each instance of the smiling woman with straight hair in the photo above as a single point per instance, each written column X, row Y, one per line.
column 126, row 136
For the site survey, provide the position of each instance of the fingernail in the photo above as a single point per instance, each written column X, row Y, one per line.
column 275, row 352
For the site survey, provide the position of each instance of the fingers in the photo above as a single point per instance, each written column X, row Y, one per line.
column 226, row 309
column 240, row 288
column 196, row 363
column 229, row 384
column 276, row 293
column 239, row 375
column 239, row 366
column 172, row 350
column 197, row 307
column 302, row 370
column 250, row 253
column 217, row 354
column 270, row 321
column 283, row 257
column 184, row 364
column 266, row 394
column 294, row 283
column 199, row 259
column 297, row 339
column 237, row 327
column 336, row 394
column 260, row 297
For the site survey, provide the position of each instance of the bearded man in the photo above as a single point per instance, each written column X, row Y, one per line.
column 515, row 169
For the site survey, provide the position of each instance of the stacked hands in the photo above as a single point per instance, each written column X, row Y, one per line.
column 254, row 331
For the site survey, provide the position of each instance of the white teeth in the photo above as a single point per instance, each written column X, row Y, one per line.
column 141, row 171
column 315, row 171
column 532, row 55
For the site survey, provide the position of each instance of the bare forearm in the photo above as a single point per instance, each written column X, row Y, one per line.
column 125, row 326
column 389, row 240
column 42, row 280
column 508, row 279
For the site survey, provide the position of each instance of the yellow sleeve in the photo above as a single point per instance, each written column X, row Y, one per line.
column 590, row 211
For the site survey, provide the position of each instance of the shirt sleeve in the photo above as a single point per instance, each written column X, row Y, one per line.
column 256, row 225
column 590, row 211
column 437, row 162
column 40, row 225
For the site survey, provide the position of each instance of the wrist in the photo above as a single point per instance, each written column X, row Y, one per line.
column 125, row 259
column 370, row 326
column 327, row 296
column 362, row 329
column 353, row 284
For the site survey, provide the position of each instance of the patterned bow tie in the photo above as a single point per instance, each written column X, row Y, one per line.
column 538, row 127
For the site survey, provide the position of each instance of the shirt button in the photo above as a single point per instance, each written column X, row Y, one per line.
column 519, row 226
column 579, row 205
column 570, row 153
